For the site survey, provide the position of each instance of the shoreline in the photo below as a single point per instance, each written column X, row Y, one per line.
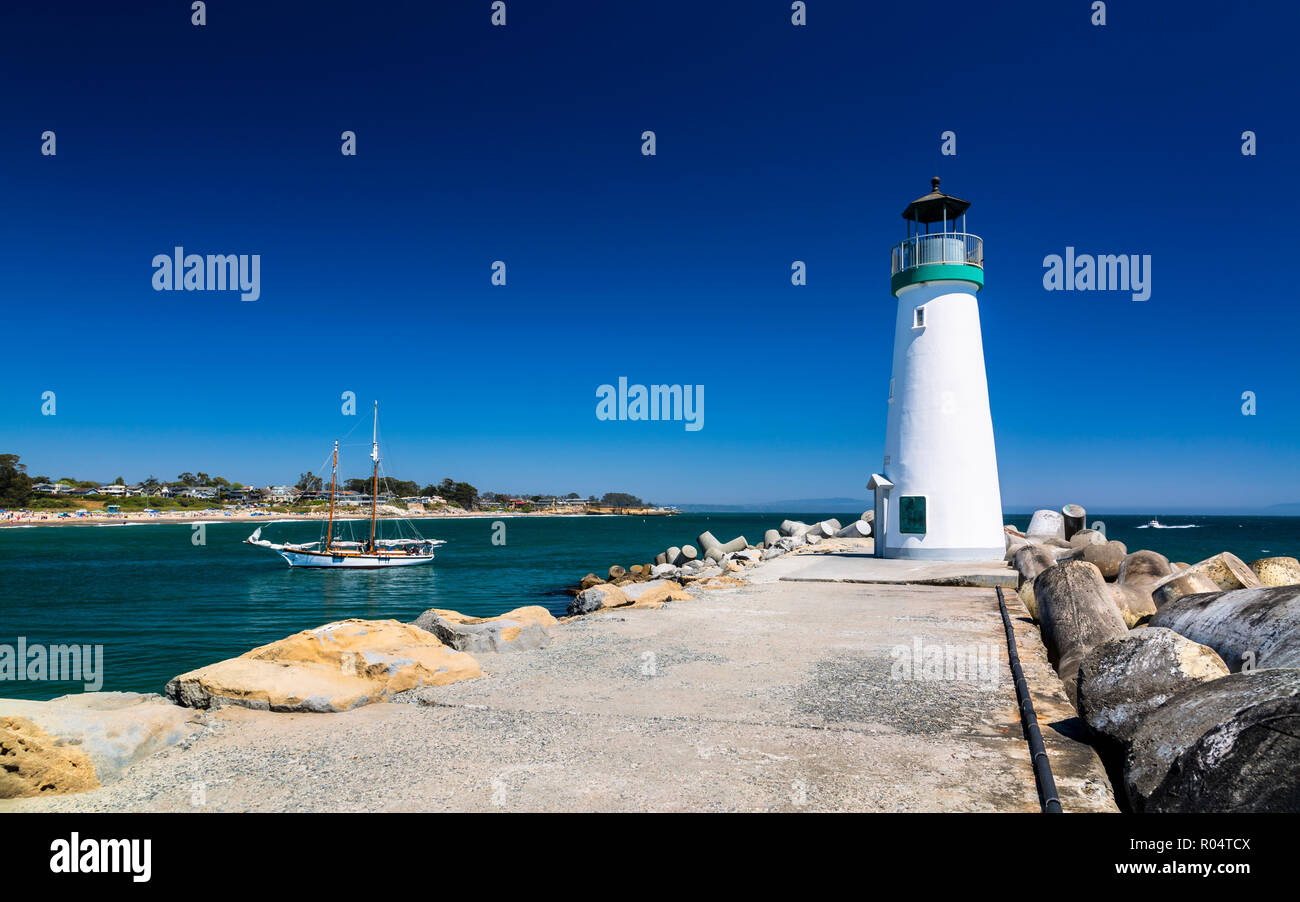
column 207, row 516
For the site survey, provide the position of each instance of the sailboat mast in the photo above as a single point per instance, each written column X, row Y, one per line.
column 374, row 491
column 334, row 478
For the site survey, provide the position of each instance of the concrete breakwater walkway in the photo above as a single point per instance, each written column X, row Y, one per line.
column 815, row 686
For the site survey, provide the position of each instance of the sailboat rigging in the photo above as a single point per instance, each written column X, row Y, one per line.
column 374, row 553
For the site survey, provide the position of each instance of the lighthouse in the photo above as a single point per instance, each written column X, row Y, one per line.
column 937, row 495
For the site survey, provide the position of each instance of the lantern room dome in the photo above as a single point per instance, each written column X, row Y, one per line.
column 935, row 206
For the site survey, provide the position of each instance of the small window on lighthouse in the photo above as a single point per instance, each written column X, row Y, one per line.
column 918, row 317
column 911, row 514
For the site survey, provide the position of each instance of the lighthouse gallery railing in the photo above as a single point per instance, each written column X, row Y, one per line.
column 937, row 247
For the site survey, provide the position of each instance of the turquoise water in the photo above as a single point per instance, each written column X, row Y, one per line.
column 160, row 605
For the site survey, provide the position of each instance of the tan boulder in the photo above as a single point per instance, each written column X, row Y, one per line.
column 691, row 577
column 523, row 629
column 605, row 595
column 1134, row 602
column 533, row 613
column 657, row 593
column 1144, row 569
column 33, row 764
column 1228, row 572
column 721, row 582
column 334, row 667
column 1087, row 537
column 115, row 729
column 1223, row 572
column 1184, row 581
column 1106, row 557
column 1277, row 571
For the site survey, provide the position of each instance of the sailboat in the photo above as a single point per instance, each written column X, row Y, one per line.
column 373, row 553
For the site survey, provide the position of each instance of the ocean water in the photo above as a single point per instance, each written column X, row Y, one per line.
column 159, row 605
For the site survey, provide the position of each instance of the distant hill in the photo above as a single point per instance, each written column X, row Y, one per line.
column 1290, row 509
column 793, row 506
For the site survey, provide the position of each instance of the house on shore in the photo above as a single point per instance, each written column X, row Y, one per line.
column 280, row 494
column 52, row 488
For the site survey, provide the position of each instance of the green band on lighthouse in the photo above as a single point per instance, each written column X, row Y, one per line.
column 936, row 272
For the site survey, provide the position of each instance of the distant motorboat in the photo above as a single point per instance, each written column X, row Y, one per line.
column 1156, row 524
column 332, row 552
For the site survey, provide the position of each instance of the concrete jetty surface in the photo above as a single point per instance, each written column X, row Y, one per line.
column 814, row 687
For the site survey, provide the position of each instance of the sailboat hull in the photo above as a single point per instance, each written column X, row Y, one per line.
column 353, row 561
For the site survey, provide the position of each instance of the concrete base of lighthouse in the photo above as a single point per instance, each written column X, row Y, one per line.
column 945, row 554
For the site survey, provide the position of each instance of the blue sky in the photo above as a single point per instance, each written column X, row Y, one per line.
column 523, row 144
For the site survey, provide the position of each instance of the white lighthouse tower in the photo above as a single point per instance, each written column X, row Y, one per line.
column 937, row 496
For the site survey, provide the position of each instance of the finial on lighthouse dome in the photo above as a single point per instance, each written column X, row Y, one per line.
column 935, row 206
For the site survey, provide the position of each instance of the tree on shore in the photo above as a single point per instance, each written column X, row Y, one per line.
column 459, row 493
column 398, row 488
column 621, row 499
column 15, row 484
